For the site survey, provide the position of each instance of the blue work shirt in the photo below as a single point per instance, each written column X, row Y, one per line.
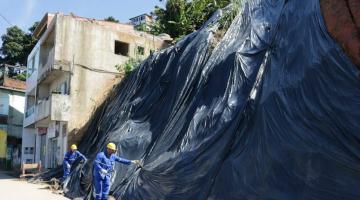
column 70, row 157
column 107, row 162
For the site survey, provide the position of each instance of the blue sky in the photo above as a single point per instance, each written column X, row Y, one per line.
column 24, row 13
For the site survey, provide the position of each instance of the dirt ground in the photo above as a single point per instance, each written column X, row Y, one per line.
column 15, row 189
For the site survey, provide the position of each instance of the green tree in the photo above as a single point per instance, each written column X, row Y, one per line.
column 17, row 45
column 111, row 19
column 21, row 77
column 181, row 17
column 33, row 27
column 12, row 46
column 142, row 27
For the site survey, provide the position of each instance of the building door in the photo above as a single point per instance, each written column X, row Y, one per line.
column 53, row 153
column 63, row 140
column 42, row 148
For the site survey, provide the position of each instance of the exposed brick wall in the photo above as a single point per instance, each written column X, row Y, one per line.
column 342, row 18
column 13, row 83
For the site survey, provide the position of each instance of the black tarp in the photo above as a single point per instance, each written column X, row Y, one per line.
column 271, row 112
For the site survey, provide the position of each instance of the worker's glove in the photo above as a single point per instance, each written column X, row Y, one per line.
column 136, row 162
column 68, row 165
column 103, row 171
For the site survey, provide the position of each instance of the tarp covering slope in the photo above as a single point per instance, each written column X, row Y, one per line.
column 272, row 112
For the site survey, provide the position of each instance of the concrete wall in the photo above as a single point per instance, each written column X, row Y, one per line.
column 56, row 84
column 60, row 107
column 16, row 114
column 89, row 45
column 28, row 141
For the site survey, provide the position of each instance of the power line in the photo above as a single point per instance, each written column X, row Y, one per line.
column 6, row 19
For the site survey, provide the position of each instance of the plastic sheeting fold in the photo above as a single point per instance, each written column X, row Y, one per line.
column 272, row 112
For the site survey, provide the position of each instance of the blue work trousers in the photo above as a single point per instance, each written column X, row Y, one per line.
column 66, row 171
column 101, row 187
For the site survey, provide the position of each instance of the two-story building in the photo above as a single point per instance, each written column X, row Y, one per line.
column 144, row 19
column 70, row 72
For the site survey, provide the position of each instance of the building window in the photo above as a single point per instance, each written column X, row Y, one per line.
column 29, row 150
column 121, row 48
column 63, row 88
column 140, row 51
column 26, row 150
column 3, row 119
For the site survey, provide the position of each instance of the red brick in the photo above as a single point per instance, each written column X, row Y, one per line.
column 342, row 18
column 13, row 83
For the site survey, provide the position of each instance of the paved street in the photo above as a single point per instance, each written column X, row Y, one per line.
column 15, row 189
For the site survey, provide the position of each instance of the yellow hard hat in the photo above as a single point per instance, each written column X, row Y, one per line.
column 111, row 146
column 73, row 147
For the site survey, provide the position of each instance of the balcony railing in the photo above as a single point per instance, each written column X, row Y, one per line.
column 31, row 81
column 57, row 107
column 60, row 107
column 30, row 111
column 29, row 116
column 47, row 64
column 42, row 109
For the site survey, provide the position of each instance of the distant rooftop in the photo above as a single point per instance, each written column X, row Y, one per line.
column 140, row 16
column 44, row 23
column 7, row 80
column 12, row 84
column 48, row 17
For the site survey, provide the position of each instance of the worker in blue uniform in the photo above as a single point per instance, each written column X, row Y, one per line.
column 103, row 168
column 70, row 158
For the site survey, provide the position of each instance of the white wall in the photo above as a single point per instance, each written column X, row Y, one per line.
column 33, row 65
column 4, row 102
column 17, row 102
column 16, row 113
column 28, row 140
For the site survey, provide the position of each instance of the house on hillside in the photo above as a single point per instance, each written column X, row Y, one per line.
column 144, row 19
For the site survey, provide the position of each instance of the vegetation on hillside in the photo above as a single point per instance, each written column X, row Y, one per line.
column 111, row 19
column 181, row 17
column 17, row 45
